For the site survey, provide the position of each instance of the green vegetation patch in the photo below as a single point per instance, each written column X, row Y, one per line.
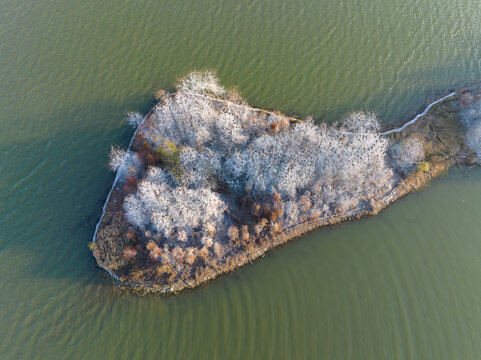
column 169, row 155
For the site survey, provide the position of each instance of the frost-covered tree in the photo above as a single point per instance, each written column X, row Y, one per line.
column 193, row 117
column 199, row 168
column 360, row 121
column 473, row 138
column 123, row 162
column 201, row 82
column 471, row 118
column 293, row 171
column 134, row 119
column 308, row 155
column 405, row 155
column 168, row 208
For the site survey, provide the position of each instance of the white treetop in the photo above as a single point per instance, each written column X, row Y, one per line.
column 168, row 208
column 314, row 168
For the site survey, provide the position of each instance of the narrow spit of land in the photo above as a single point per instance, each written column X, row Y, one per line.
column 209, row 183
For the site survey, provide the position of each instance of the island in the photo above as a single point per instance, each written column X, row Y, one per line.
column 209, row 183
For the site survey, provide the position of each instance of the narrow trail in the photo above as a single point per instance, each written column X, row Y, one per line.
column 418, row 116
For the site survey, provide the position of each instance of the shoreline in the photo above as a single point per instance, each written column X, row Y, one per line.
column 412, row 183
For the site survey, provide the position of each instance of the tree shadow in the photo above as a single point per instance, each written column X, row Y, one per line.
column 53, row 189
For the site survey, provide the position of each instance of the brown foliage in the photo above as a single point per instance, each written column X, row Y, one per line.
column 208, row 243
column 261, row 224
column 465, row 99
column 210, row 229
column 131, row 180
column 136, row 276
column 137, row 144
column 128, row 189
column 275, row 228
column 190, row 255
column 130, row 184
column 129, row 253
column 276, row 213
column 274, row 128
column 245, row 233
column 233, row 233
column 155, row 252
column 271, row 207
column 305, row 203
column 315, row 215
column 144, row 151
column 159, row 94
column 151, row 245
column 277, row 196
column 257, row 209
column 277, row 206
column 203, row 254
column 218, row 250
column 284, row 124
column 178, row 255
column 151, row 158
column 166, row 271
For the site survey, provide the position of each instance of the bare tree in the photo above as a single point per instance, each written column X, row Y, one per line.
column 306, row 170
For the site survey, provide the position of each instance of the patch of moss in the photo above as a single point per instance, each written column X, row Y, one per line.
column 169, row 155
column 423, row 166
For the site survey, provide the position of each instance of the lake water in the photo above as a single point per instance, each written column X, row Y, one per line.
column 402, row 285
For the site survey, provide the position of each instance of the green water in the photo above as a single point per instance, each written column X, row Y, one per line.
column 403, row 285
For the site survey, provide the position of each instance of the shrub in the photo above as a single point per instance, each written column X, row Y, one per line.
column 178, row 255
column 259, row 227
column 190, row 255
column 129, row 253
column 471, row 120
column 169, row 154
column 423, row 166
column 155, row 253
column 275, row 228
column 406, row 154
column 233, row 233
column 218, row 250
column 201, row 82
column 134, row 119
column 123, row 162
column 245, row 233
